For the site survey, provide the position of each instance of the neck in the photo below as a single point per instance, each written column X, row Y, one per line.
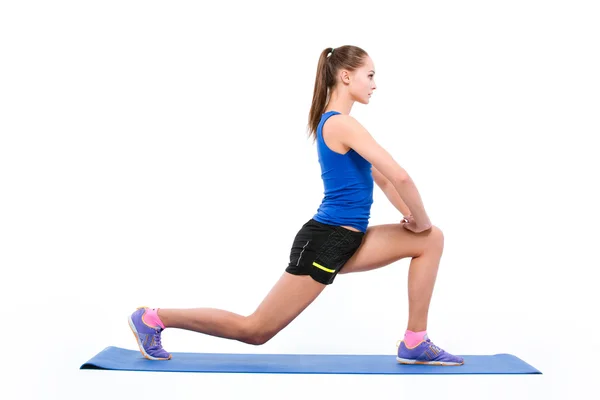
column 342, row 104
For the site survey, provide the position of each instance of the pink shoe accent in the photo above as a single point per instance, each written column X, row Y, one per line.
column 151, row 319
column 411, row 339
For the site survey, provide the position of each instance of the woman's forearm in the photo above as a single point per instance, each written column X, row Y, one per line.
column 392, row 194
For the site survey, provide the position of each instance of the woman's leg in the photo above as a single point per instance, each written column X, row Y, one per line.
column 286, row 300
column 385, row 244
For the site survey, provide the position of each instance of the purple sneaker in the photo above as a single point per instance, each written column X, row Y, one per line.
column 148, row 337
column 426, row 353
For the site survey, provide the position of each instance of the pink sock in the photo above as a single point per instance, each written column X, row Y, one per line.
column 414, row 338
column 151, row 318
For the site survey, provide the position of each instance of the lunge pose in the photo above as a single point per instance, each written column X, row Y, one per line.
column 337, row 239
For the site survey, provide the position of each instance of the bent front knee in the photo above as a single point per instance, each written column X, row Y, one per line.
column 436, row 238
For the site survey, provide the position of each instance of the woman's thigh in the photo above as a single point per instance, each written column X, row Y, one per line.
column 286, row 300
column 385, row 244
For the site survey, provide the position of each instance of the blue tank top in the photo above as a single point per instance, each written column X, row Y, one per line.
column 348, row 184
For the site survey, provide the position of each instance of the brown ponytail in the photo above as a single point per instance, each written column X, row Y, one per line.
column 345, row 57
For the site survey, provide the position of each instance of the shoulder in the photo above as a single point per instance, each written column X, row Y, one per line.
column 341, row 125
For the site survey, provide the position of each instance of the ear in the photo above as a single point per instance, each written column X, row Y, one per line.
column 345, row 77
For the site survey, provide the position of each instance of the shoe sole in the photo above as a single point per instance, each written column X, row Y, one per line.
column 440, row 363
column 139, row 342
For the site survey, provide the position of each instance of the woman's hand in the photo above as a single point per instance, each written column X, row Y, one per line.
column 409, row 223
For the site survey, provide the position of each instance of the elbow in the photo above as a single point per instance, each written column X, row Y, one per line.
column 400, row 179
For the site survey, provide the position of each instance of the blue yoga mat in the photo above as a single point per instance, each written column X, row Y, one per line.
column 115, row 358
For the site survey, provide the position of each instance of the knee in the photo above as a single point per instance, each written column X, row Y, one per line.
column 259, row 338
column 255, row 333
column 436, row 238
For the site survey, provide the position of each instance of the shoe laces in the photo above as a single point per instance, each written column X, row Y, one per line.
column 433, row 346
column 157, row 343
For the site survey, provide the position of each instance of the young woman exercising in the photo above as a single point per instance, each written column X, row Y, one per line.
column 336, row 239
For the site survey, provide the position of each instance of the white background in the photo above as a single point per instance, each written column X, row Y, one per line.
column 155, row 153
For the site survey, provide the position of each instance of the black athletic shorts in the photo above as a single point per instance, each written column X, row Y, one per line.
column 321, row 250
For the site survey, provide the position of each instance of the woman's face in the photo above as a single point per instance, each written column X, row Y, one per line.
column 362, row 83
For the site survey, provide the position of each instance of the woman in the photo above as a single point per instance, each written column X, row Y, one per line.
column 336, row 240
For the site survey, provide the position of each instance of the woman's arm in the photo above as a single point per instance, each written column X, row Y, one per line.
column 390, row 191
column 351, row 133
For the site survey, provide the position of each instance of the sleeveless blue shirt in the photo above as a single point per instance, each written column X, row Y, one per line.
column 348, row 184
